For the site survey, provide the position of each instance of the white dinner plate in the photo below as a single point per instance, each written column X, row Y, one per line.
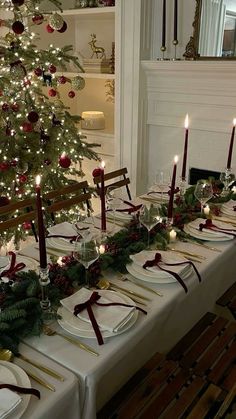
column 60, row 244
column 30, row 264
column 78, row 327
column 4, row 260
column 200, row 235
column 22, row 380
column 147, row 276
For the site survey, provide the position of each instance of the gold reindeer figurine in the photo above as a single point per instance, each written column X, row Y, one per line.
column 96, row 50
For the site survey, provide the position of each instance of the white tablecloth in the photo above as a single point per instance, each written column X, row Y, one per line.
column 62, row 403
column 168, row 319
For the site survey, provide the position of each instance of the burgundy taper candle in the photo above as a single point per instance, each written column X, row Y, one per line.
column 172, row 189
column 175, row 20
column 41, row 232
column 102, row 198
column 163, row 43
column 183, row 175
column 231, row 145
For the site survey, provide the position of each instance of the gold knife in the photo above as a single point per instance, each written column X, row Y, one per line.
column 78, row 343
column 144, row 287
column 203, row 245
column 39, row 380
column 129, row 291
column 42, row 368
column 183, row 252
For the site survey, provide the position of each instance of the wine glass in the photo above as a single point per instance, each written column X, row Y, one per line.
column 87, row 251
column 203, row 192
column 113, row 200
column 149, row 217
column 162, row 181
column 226, row 177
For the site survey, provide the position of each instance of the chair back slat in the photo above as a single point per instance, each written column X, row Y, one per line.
column 75, row 187
column 117, row 183
column 7, row 209
column 67, row 203
column 16, row 221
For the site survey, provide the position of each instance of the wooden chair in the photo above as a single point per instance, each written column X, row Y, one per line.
column 228, row 300
column 109, row 180
column 26, row 210
column 64, row 198
column 196, row 379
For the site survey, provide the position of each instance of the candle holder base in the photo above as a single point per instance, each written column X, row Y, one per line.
column 44, row 281
column 226, row 177
column 182, row 186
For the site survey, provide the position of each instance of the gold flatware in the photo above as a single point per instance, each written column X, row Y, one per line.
column 142, row 286
column 129, row 291
column 103, row 284
column 184, row 252
column 7, row 355
column 50, row 332
column 203, row 245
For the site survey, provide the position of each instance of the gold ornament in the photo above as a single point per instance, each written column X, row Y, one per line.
column 56, row 21
column 9, row 37
column 78, row 83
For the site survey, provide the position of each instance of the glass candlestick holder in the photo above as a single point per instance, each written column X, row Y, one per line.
column 182, row 186
column 226, row 177
column 44, row 281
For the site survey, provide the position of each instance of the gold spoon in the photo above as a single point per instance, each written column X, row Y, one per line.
column 103, row 284
column 7, row 355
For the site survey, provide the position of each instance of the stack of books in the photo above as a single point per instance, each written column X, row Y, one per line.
column 96, row 65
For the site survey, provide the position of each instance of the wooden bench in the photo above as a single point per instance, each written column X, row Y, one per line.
column 196, row 379
column 228, row 299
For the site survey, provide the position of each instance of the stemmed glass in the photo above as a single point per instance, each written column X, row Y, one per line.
column 162, row 181
column 87, row 251
column 203, row 192
column 113, row 200
column 226, row 178
column 149, row 217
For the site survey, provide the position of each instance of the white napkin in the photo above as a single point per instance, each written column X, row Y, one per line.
column 228, row 208
column 110, row 318
column 9, row 400
column 207, row 232
column 63, row 229
column 167, row 257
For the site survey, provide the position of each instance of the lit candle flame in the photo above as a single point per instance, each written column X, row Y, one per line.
column 101, row 249
column 38, row 180
column 176, row 159
column 186, row 122
column 102, row 164
column 234, row 122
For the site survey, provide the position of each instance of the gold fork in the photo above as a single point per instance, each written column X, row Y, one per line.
column 50, row 332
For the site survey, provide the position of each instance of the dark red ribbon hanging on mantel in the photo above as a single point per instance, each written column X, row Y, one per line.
column 14, row 268
column 208, row 225
column 87, row 305
column 157, row 261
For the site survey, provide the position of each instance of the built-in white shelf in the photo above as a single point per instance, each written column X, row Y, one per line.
column 105, row 76
column 93, row 12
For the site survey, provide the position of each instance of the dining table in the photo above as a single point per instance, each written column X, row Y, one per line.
column 169, row 316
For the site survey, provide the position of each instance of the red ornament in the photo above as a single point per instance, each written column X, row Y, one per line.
column 96, row 172
column 71, row 94
column 15, row 107
column 38, row 19
column 38, row 72
column 13, row 163
column 52, row 69
column 4, row 200
column 23, row 178
column 4, row 166
column 19, row 191
column 52, row 92
column 1, row 93
column 5, row 107
column 49, row 29
column 17, row 2
column 64, row 27
column 62, row 79
column 33, row 116
column 47, row 162
column 64, row 161
column 27, row 127
column 27, row 82
column 18, row 27
column 26, row 225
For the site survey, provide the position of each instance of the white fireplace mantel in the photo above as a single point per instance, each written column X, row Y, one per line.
column 206, row 90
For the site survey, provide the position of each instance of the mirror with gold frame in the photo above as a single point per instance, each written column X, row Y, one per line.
column 214, row 31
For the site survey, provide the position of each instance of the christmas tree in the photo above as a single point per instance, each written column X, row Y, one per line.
column 38, row 135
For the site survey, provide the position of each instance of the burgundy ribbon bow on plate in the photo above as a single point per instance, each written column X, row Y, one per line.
column 157, row 261
column 133, row 208
column 72, row 239
column 88, row 306
column 23, row 390
column 13, row 267
column 210, row 226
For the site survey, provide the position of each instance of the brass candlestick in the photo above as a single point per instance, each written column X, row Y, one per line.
column 175, row 43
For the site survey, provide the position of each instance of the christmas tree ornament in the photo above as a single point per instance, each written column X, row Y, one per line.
column 71, row 94
column 18, row 27
column 9, row 37
column 26, row 225
column 56, row 21
column 52, row 92
column 17, row 3
column 13, row 163
column 64, row 28
column 64, row 161
column 27, row 127
column 49, row 29
column 17, row 70
column 62, row 79
column 78, row 83
column 21, row 167
column 33, row 116
column 47, row 79
column 4, row 166
column 52, row 69
column 22, row 178
column 4, row 200
column 5, row 107
column 38, row 72
column 27, row 82
column 38, row 19
column 97, row 172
